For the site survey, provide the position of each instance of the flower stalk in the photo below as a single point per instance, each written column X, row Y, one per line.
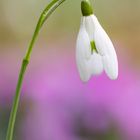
column 51, row 7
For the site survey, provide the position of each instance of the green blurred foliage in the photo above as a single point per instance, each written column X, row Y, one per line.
column 19, row 17
column 120, row 18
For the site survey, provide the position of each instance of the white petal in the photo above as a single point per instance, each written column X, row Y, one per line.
column 95, row 64
column 83, row 41
column 89, row 27
column 110, row 67
column 105, row 48
column 83, row 53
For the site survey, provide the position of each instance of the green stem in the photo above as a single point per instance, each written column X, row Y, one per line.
column 44, row 16
column 16, row 102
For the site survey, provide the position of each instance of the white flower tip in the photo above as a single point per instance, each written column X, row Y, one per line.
column 114, row 76
column 84, row 80
column 84, row 75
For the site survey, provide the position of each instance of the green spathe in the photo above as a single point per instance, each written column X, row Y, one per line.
column 86, row 8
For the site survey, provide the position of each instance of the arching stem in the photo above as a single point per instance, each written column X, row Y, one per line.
column 44, row 16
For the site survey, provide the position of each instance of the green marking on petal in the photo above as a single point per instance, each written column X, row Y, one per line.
column 93, row 47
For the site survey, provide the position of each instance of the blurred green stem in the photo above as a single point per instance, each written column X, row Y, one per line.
column 44, row 16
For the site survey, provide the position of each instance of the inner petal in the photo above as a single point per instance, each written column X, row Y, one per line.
column 95, row 65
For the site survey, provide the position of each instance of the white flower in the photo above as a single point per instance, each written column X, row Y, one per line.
column 94, row 50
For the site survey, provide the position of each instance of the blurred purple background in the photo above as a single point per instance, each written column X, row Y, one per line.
column 55, row 104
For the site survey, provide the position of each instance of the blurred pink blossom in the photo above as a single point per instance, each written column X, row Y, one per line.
column 62, row 107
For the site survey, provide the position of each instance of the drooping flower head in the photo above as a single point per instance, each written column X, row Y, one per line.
column 94, row 50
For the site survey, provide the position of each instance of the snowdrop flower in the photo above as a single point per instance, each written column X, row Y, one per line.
column 94, row 49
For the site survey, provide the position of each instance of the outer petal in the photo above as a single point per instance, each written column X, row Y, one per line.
column 110, row 67
column 106, row 49
column 83, row 53
column 89, row 27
